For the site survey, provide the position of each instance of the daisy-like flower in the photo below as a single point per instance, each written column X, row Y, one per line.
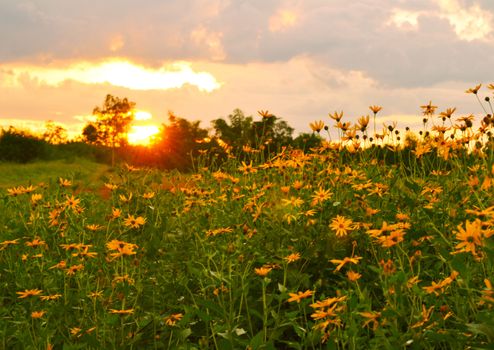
column 428, row 109
column 320, row 196
column 353, row 276
column 341, row 226
column 134, row 222
column 72, row 203
column 299, row 296
column 122, row 312
column 470, row 237
column 317, row 126
column 29, row 293
column 262, row 271
column 64, row 182
column 265, row 114
column 474, row 90
column 292, row 257
column 50, row 297
column 148, row 195
column 173, row 319
column 375, row 109
column 38, row 314
column 346, row 260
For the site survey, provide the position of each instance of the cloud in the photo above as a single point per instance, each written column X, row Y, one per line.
column 210, row 41
column 121, row 73
column 283, row 20
column 469, row 23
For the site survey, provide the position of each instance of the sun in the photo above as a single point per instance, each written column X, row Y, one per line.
column 143, row 135
column 140, row 133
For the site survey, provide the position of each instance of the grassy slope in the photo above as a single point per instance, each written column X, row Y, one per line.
column 88, row 172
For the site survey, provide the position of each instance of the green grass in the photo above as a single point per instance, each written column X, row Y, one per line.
column 89, row 173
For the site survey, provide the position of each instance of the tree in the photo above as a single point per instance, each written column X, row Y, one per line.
column 241, row 130
column 112, row 123
column 54, row 134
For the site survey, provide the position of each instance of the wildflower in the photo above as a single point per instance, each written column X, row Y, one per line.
column 247, row 168
column 29, row 293
column 412, row 281
column 392, row 239
column 5, row 244
column 341, row 225
column 148, row 195
column 320, row 196
column 426, row 314
column 292, row 257
column 125, row 199
column 36, row 243
column 38, row 314
column 50, row 297
column 64, row 182
column 75, row 330
column 122, row 248
column 341, row 263
column 122, row 312
column 428, row 109
column 474, row 90
column 116, row 213
column 15, row 191
column 363, row 122
column 134, row 222
column 336, row 116
column 35, row 198
column 388, row 267
column 94, row 227
column 265, row 114
column 317, row 126
column 121, row 279
column 353, row 276
column 74, row 268
column 95, row 294
column 299, row 296
column 111, row 186
column 218, row 231
column 61, row 265
column 262, row 271
column 470, row 236
column 293, row 201
column 375, row 109
column 372, row 318
column 172, row 319
column 447, row 113
column 72, row 203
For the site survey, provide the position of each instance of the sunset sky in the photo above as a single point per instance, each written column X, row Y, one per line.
column 202, row 59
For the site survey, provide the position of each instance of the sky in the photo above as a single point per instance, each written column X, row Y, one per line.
column 202, row 59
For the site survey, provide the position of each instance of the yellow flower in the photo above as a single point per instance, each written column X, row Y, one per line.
column 317, row 126
column 353, row 276
column 134, row 222
column 375, row 109
column 116, row 213
column 265, row 114
column 474, row 90
column 122, row 312
column 29, row 293
column 320, row 196
column 50, row 297
column 148, row 195
column 64, row 182
column 38, row 314
column 299, row 296
column 173, row 319
column 72, row 202
column 292, row 257
column 341, row 263
column 341, row 225
column 336, row 116
column 262, row 271
column 428, row 109
column 470, row 236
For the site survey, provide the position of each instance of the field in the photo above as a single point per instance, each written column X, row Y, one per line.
column 387, row 246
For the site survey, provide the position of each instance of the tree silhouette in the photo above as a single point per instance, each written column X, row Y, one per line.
column 112, row 123
column 54, row 134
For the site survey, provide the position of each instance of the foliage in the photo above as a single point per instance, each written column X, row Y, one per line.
column 20, row 146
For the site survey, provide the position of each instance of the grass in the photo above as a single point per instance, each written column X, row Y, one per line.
column 387, row 246
column 14, row 174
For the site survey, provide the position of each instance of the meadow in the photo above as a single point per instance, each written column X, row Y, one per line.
column 368, row 242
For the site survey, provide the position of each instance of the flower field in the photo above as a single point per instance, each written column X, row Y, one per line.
column 371, row 242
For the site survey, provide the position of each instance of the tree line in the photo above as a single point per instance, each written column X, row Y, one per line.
column 177, row 145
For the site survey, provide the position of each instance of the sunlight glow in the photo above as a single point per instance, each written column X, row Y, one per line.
column 142, row 115
column 121, row 73
column 142, row 134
